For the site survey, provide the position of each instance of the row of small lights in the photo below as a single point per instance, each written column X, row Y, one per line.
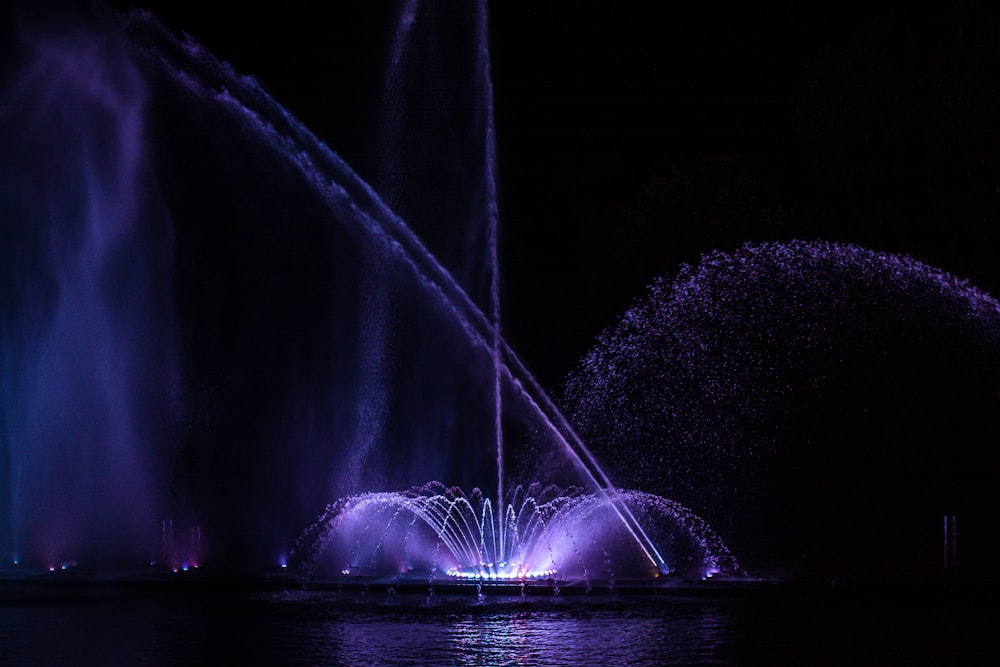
column 176, row 568
column 52, row 566
column 62, row 566
column 458, row 573
column 483, row 573
column 493, row 576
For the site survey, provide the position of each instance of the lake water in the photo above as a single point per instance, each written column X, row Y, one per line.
column 143, row 626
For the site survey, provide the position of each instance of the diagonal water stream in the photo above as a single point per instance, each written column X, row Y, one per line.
column 353, row 202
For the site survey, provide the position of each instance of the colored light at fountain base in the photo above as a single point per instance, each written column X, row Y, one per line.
column 501, row 572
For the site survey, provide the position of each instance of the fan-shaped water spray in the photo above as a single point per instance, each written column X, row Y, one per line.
column 433, row 532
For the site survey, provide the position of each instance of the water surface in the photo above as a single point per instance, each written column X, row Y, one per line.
column 136, row 626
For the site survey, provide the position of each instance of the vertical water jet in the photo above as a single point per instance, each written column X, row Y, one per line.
column 89, row 382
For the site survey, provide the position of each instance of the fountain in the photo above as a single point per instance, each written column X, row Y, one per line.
column 497, row 548
column 212, row 327
column 186, row 363
column 90, row 377
column 549, row 534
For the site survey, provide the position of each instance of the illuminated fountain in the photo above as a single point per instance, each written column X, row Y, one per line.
column 186, row 401
column 534, row 533
column 287, row 337
column 549, row 534
column 541, row 533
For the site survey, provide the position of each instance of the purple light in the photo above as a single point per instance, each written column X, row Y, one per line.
column 97, row 358
column 548, row 532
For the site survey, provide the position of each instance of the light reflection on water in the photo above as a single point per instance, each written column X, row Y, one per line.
column 520, row 633
column 577, row 639
column 196, row 627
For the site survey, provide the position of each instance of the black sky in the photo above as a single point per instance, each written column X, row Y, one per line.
column 634, row 137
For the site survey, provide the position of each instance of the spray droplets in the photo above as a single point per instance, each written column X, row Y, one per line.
column 780, row 378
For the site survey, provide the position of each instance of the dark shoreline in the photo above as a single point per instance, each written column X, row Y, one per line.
column 60, row 587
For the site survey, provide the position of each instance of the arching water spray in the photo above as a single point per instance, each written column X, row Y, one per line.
column 355, row 204
column 560, row 533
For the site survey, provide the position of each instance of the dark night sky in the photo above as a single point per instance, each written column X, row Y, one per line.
column 633, row 137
